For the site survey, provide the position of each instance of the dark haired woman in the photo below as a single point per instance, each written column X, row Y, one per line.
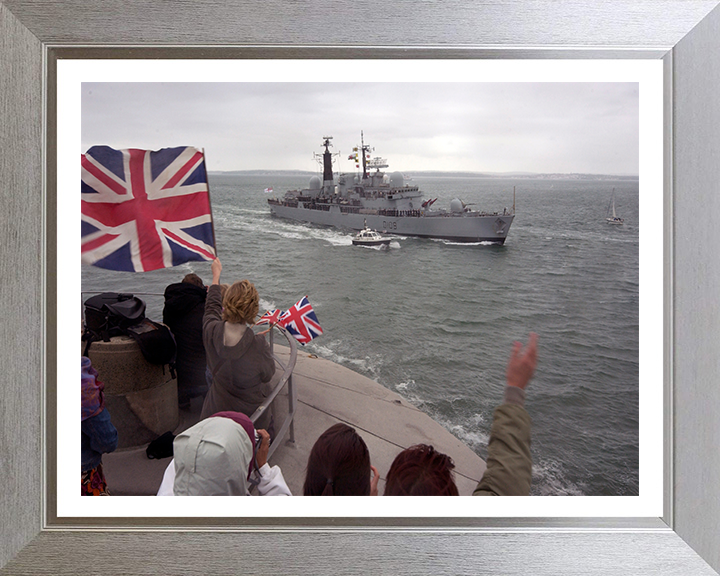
column 339, row 465
column 421, row 471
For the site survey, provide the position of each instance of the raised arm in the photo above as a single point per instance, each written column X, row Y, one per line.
column 213, row 303
column 509, row 464
column 216, row 268
column 521, row 366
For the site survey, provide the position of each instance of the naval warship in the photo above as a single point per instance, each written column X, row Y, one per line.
column 385, row 203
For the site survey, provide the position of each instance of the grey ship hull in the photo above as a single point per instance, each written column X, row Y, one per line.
column 464, row 227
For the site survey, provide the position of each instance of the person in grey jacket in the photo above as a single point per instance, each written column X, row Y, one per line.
column 240, row 362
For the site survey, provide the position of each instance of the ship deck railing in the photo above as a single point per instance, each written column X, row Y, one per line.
column 287, row 428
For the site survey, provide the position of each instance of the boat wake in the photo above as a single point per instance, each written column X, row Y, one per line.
column 453, row 243
column 259, row 222
column 289, row 230
column 394, row 245
column 297, row 231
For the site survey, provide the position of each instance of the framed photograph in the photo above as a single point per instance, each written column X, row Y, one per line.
column 658, row 530
column 600, row 117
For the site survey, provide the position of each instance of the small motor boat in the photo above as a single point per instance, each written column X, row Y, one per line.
column 368, row 237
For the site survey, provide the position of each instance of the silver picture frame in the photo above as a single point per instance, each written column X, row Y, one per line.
column 684, row 34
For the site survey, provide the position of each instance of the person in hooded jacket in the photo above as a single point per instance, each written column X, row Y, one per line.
column 240, row 362
column 220, row 456
column 183, row 314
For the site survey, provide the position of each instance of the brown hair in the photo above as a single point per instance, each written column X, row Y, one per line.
column 193, row 279
column 339, row 464
column 241, row 303
column 421, row 471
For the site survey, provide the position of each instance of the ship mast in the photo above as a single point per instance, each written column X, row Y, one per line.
column 363, row 151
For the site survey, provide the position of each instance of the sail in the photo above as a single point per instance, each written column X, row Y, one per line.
column 614, row 219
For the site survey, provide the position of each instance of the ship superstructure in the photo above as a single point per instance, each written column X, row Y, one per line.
column 384, row 202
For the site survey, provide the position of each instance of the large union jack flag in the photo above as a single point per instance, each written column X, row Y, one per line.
column 145, row 209
column 300, row 320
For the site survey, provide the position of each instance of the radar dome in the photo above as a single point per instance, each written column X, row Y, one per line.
column 456, row 205
column 397, row 180
column 315, row 183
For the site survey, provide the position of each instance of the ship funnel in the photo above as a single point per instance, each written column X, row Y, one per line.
column 327, row 160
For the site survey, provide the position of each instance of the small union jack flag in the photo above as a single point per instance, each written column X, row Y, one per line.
column 270, row 317
column 300, row 320
column 145, row 209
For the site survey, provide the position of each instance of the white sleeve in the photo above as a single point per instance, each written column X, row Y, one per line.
column 166, row 487
column 272, row 482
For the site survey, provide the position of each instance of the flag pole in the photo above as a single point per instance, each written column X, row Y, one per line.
column 212, row 218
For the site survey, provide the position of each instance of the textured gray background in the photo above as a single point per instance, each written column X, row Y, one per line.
column 459, row 28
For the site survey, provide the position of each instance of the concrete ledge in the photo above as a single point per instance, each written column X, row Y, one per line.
column 142, row 398
column 327, row 393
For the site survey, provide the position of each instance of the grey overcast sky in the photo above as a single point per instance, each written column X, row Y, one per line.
column 479, row 127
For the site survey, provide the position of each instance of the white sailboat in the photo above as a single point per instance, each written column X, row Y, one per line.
column 614, row 219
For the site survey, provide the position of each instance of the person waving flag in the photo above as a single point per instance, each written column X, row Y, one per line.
column 142, row 210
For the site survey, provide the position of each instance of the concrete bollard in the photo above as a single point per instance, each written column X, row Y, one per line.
column 142, row 398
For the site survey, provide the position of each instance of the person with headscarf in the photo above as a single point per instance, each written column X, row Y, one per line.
column 99, row 436
column 240, row 362
column 222, row 456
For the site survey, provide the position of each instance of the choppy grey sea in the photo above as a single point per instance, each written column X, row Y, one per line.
column 435, row 321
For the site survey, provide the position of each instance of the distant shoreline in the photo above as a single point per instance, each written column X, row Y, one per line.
column 434, row 173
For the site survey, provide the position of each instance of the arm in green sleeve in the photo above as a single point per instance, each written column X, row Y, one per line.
column 509, row 465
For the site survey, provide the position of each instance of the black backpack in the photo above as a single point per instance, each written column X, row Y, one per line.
column 156, row 342
column 112, row 314
column 109, row 314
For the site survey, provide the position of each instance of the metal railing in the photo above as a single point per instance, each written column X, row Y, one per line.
column 288, row 425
